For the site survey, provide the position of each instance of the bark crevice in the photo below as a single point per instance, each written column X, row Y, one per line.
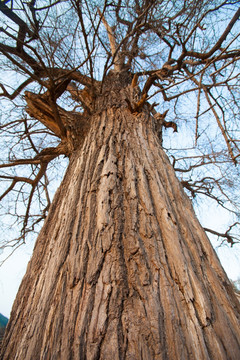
column 122, row 268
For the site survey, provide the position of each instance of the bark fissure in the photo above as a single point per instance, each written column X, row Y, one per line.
column 122, row 269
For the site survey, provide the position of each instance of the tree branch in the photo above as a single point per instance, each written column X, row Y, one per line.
column 229, row 238
column 17, row 91
column 113, row 44
column 218, row 44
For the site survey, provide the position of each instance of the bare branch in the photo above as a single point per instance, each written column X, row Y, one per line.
column 224, row 134
column 113, row 44
column 229, row 238
column 17, row 91
column 218, row 44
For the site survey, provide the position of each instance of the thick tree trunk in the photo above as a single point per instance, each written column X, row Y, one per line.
column 122, row 268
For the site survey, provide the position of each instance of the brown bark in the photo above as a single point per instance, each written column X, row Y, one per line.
column 122, row 268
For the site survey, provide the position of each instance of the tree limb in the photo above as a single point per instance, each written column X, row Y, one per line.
column 203, row 56
column 225, row 235
column 113, row 44
column 17, row 91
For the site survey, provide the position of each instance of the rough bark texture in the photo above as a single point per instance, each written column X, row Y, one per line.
column 122, row 268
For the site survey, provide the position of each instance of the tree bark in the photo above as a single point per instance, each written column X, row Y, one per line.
column 122, row 268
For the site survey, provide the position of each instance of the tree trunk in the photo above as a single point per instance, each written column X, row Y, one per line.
column 122, row 268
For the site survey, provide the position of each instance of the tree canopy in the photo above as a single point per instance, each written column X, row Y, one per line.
column 55, row 59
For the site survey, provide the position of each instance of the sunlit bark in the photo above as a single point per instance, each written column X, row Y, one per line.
column 122, row 268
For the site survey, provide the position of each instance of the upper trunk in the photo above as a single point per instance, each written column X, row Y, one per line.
column 122, row 268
